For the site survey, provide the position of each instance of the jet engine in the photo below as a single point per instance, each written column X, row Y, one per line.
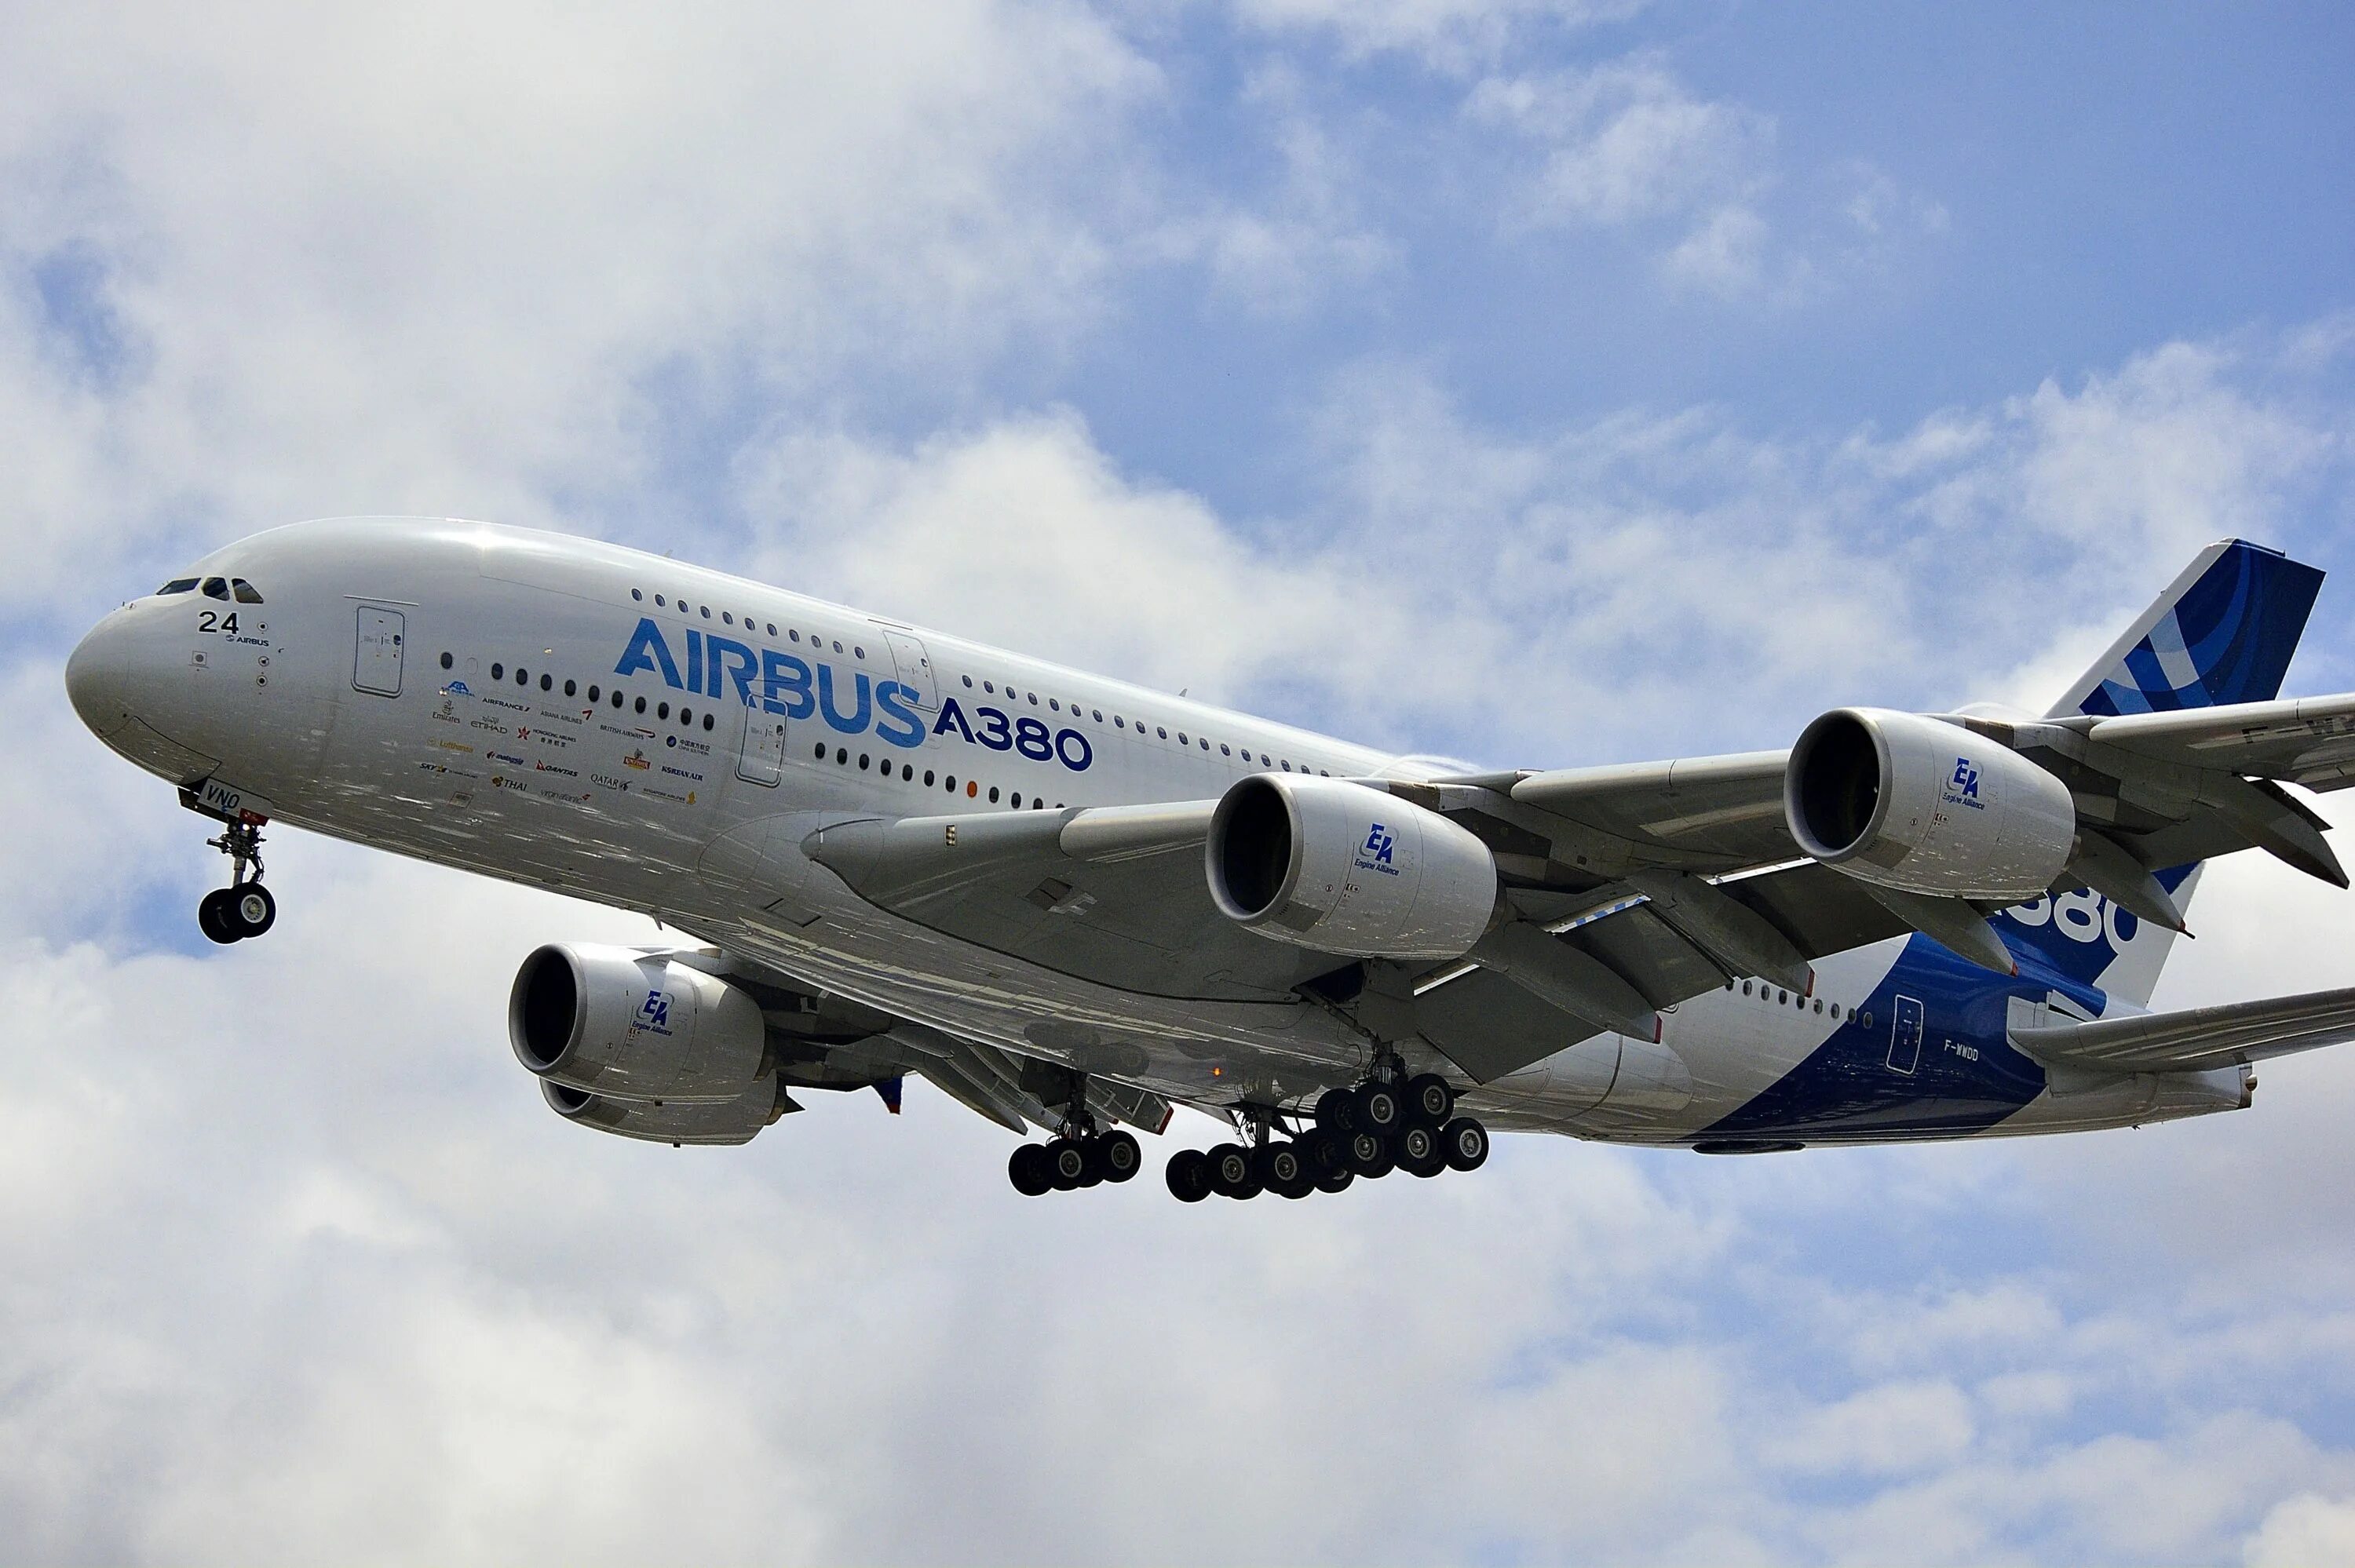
column 734, row 1122
column 1923, row 806
column 633, row 1023
column 1325, row 864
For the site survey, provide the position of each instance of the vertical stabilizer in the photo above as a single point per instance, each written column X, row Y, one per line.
column 2222, row 632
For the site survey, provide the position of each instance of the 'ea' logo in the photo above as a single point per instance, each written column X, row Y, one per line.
column 1379, row 844
column 1965, row 781
column 653, row 1013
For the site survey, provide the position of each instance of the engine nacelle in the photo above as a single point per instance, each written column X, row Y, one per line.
column 736, row 1121
column 633, row 1023
column 1325, row 864
column 1923, row 806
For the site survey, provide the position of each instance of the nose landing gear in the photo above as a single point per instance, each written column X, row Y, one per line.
column 244, row 908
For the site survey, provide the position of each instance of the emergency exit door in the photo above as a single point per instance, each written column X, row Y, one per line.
column 375, row 660
column 1905, row 1037
column 760, row 759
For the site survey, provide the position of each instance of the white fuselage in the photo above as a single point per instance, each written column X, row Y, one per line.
column 490, row 699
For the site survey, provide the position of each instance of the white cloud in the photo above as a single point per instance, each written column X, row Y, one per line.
column 2301, row 1532
column 1449, row 34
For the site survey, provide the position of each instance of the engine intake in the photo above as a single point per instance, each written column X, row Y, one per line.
column 1336, row 866
column 633, row 1023
column 1923, row 806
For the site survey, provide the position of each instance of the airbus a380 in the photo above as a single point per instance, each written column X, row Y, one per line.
column 1074, row 903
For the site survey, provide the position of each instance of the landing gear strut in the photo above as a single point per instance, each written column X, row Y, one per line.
column 244, row 908
column 1389, row 1122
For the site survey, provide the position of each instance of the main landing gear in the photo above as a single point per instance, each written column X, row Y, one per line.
column 1381, row 1125
column 1082, row 1156
column 244, row 908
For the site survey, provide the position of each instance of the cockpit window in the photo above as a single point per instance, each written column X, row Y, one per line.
column 245, row 591
column 216, row 588
column 178, row 584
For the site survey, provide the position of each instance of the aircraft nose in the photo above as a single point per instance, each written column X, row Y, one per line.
column 101, row 674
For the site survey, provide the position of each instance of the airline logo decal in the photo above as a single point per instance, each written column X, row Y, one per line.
column 653, row 1013
column 1375, row 854
column 1963, row 788
column 791, row 687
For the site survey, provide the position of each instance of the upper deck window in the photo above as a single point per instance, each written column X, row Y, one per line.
column 178, row 584
column 245, row 591
column 214, row 588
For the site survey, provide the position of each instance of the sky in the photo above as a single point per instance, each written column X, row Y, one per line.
column 1544, row 382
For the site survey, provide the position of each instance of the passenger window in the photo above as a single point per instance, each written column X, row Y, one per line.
column 1162, row 732
column 1034, row 699
column 1745, row 987
column 216, row 588
column 1225, row 750
column 662, row 710
column 1819, row 1004
column 594, row 694
column 993, row 794
column 837, row 647
column 660, row 601
column 706, row 721
column 685, row 715
column 1053, row 706
column 855, row 652
column 639, row 595
column 1866, row 1021
column 1015, row 800
column 1098, row 713
column 1182, row 740
column 641, row 706
column 1782, row 998
column 498, row 671
column 447, row 661
column 1836, row 1009
column 178, row 584
column 547, row 683
column 244, row 590
column 706, row 612
column 773, row 628
column 726, row 619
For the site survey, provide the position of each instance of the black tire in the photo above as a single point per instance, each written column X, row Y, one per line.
column 1188, row 1175
column 253, row 910
column 1419, row 1153
column 1327, row 1153
column 1282, row 1169
column 1430, row 1100
column 1336, row 1111
column 1067, row 1164
column 1370, row 1156
column 216, row 919
column 1029, row 1171
column 1336, row 1181
column 1118, row 1156
column 1465, row 1142
column 1231, row 1175
column 1379, row 1108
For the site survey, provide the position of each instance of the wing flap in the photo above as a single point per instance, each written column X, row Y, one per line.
column 2200, row 1038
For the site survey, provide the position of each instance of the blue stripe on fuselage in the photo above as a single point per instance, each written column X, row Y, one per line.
column 1966, row 1078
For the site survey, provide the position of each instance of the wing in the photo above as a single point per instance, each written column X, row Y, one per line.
column 2202, row 1037
column 2306, row 740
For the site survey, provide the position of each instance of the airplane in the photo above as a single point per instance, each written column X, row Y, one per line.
column 1074, row 904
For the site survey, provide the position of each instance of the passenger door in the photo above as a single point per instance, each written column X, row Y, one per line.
column 1905, row 1037
column 376, row 657
column 760, row 756
column 914, row 666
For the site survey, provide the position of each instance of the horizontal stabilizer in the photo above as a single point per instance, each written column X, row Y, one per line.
column 2202, row 1038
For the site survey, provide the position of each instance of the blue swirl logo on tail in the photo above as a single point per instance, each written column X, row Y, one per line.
column 2226, row 636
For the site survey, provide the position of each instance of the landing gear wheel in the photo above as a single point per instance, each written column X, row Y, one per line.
column 1464, row 1143
column 1419, row 1153
column 1188, row 1175
column 1230, row 1171
column 1336, row 1181
column 1430, row 1100
column 1067, row 1164
column 216, row 919
column 1378, row 1107
column 1282, row 1170
column 1370, row 1155
column 252, row 908
column 1335, row 1111
column 1030, row 1171
column 1327, row 1153
column 1118, row 1156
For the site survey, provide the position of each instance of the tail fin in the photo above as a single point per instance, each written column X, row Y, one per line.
column 2222, row 632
